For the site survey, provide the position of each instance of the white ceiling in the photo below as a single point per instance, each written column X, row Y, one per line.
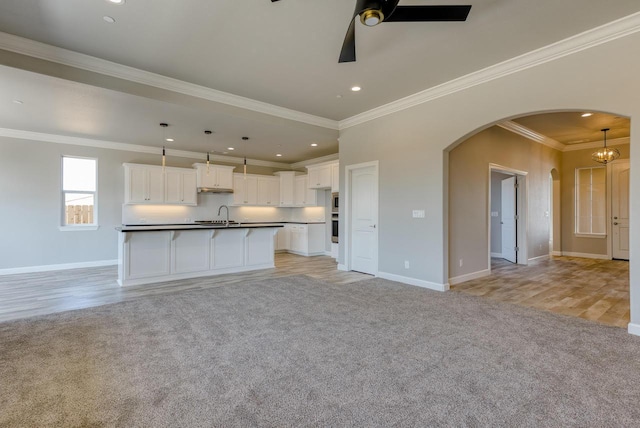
column 282, row 53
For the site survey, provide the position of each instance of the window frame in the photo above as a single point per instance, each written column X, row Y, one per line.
column 577, row 232
column 77, row 227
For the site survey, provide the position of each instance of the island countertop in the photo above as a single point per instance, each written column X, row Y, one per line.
column 192, row 226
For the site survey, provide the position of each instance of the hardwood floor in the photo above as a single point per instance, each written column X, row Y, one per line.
column 596, row 290
column 26, row 295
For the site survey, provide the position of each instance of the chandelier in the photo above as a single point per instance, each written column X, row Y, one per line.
column 605, row 154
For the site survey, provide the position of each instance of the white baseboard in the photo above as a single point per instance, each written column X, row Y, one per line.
column 586, row 255
column 413, row 281
column 469, row 276
column 498, row 255
column 65, row 266
column 327, row 253
column 633, row 329
column 556, row 253
column 545, row 256
column 342, row 267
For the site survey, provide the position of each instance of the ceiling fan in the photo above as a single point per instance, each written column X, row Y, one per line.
column 373, row 12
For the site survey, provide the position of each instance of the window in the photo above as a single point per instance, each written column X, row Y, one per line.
column 591, row 208
column 79, row 195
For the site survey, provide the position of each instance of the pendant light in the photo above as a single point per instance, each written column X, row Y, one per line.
column 245, row 157
column 605, row 154
column 207, row 132
column 164, row 138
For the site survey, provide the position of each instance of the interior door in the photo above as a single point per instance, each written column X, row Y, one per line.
column 620, row 209
column 364, row 220
column 508, row 220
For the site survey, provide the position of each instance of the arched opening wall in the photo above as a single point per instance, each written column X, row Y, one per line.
column 412, row 147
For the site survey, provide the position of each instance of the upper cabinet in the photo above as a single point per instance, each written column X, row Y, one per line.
column 245, row 189
column 268, row 191
column 214, row 176
column 335, row 177
column 150, row 184
column 321, row 175
column 303, row 196
column 287, row 183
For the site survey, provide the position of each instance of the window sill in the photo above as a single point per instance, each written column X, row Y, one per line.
column 589, row 235
column 78, row 228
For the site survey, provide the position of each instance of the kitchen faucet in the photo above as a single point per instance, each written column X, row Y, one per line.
column 227, row 208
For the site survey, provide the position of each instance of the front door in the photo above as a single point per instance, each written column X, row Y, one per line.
column 364, row 220
column 508, row 220
column 620, row 209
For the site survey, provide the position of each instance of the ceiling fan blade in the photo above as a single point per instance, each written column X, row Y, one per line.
column 428, row 13
column 348, row 52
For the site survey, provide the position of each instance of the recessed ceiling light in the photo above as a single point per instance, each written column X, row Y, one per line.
column 230, row 148
column 356, row 88
column 116, row 1
column 108, row 19
column 169, row 140
column 279, row 155
column 586, row 114
column 314, row 144
column 18, row 102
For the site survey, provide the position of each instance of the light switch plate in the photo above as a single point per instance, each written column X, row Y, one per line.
column 494, row 213
column 418, row 213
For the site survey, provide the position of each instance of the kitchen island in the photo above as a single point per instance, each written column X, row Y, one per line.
column 156, row 253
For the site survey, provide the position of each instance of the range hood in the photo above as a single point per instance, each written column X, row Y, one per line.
column 214, row 190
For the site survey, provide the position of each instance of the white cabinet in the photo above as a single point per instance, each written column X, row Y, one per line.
column 144, row 255
column 190, row 251
column 287, row 184
column 306, row 239
column 144, row 184
column 268, row 191
column 245, row 189
column 214, row 176
column 335, row 177
column 303, row 195
column 180, row 187
column 282, row 239
column 320, row 176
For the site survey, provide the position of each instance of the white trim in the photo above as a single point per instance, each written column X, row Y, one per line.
column 633, row 329
column 327, row 253
column 136, row 148
column 187, row 275
column 556, row 253
column 78, row 228
column 327, row 158
column 469, row 276
column 70, row 58
column 545, row 256
column 65, row 266
column 596, row 36
column 413, row 281
column 532, row 135
column 498, row 255
column 586, row 255
column 342, row 267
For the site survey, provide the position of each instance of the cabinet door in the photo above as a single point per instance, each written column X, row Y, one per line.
column 320, row 177
column 314, row 178
column 251, row 190
column 189, row 190
column 282, row 239
column 155, row 192
column 300, row 190
column 239, row 190
column 263, row 192
column 173, row 187
column 206, row 177
column 224, row 178
column 137, row 185
column 335, row 177
column 274, row 192
column 147, row 254
column 311, row 197
column 190, row 251
column 287, row 185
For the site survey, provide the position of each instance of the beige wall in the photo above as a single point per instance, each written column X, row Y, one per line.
column 412, row 146
column 570, row 161
column 469, row 190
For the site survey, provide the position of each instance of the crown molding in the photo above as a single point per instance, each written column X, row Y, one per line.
column 70, row 58
column 314, row 161
column 136, row 148
column 596, row 144
column 579, row 42
column 523, row 131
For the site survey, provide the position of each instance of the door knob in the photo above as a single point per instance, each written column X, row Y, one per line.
column 615, row 218
column 374, row 226
column 615, row 223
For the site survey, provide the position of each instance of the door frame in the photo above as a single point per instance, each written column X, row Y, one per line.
column 522, row 226
column 347, row 212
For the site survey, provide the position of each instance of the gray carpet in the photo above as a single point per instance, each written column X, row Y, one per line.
column 300, row 352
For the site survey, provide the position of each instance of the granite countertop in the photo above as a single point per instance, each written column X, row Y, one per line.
column 192, row 226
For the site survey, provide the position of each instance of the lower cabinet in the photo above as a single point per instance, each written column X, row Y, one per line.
column 154, row 256
column 303, row 239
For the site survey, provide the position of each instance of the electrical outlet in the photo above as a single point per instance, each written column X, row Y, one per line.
column 460, row 262
column 418, row 213
column 406, row 264
column 494, row 213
